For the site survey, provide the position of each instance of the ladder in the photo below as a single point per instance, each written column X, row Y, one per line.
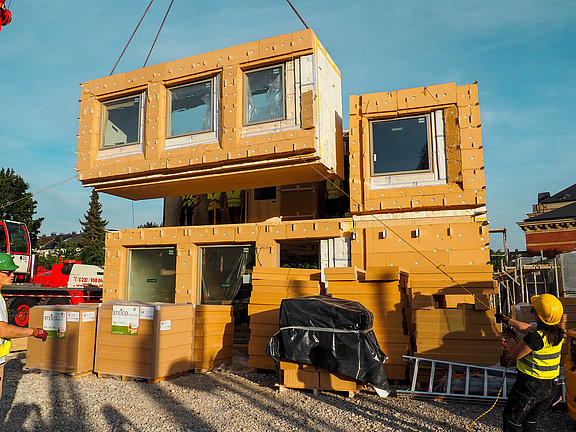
column 445, row 380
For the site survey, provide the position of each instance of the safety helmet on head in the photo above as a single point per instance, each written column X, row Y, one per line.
column 548, row 308
column 7, row 263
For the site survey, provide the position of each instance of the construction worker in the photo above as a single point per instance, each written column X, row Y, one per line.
column 8, row 331
column 334, row 197
column 214, row 206
column 537, row 357
column 234, row 205
column 189, row 203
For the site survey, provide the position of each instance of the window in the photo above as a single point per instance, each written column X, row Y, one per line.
column 266, row 193
column 264, row 95
column 122, row 122
column 300, row 254
column 400, row 145
column 152, row 275
column 18, row 237
column 408, row 151
column 191, row 109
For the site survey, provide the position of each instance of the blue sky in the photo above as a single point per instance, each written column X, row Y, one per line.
column 520, row 51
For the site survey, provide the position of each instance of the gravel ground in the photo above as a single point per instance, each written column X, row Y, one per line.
column 231, row 399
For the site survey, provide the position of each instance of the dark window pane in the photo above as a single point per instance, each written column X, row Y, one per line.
column 267, row 193
column 18, row 237
column 264, row 95
column 191, row 109
column 121, row 122
column 400, row 145
column 152, row 275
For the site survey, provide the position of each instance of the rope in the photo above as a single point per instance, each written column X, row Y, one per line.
column 297, row 14
column 158, row 34
column 30, row 195
column 133, row 33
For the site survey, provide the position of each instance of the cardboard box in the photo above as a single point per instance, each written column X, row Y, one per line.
column 145, row 340
column 71, row 338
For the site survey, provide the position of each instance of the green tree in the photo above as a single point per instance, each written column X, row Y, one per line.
column 93, row 233
column 149, row 225
column 17, row 204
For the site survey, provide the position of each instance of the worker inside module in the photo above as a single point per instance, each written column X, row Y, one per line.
column 8, row 331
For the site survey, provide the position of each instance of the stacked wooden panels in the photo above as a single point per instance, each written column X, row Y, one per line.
column 302, row 376
column 382, row 290
column 214, row 338
column 71, row 338
column 270, row 285
column 464, row 333
column 144, row 340
column 569, row 318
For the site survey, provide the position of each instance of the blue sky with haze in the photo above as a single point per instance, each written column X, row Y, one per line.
column 520, row 51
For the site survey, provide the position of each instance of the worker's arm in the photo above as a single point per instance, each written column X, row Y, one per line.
column 521, row 326
column 9, row 331
column 518, row 349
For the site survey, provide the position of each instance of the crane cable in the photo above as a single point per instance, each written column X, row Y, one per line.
column 158, row 34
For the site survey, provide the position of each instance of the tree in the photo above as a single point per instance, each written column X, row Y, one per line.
column 17, row 204
column 93, row 233
column 149, row 225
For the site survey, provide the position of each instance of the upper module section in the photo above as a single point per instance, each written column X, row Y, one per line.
column 264, row 113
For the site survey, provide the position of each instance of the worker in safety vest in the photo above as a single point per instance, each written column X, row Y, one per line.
column 234, row 205
column 214, row 206
column 189, row 203
column 334, row 198
column 8, row 331
column 537, row 356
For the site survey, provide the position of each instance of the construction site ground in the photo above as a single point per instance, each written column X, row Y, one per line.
column 232, row 398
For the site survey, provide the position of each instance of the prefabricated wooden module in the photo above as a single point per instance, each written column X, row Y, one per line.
column 414, row 203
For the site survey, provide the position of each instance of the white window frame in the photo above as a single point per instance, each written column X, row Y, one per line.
column 436, row 151
column 128, row 149
column 195, row 138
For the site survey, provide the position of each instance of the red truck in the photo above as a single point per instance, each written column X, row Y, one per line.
column 68, row 282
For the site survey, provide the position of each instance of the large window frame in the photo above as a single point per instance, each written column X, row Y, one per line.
column 434, row 174
column 205, row 136
column 105, row 121
column 167, row 276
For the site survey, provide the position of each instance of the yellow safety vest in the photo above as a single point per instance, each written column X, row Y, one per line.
column 333, row 187
column 542, row 364
column 214, row 197
column 233, row 198
column 187, row 200
column 4, row 343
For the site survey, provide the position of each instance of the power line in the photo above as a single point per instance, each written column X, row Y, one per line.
column 30, row 195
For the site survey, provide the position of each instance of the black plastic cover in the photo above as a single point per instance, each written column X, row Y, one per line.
column 335, row 334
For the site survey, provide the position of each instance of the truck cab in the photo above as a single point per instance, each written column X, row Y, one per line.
column 15, row 240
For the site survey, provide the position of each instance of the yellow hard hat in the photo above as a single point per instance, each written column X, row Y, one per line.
column 548, row 308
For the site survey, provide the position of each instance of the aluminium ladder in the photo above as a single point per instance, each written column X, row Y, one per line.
column 458, row 381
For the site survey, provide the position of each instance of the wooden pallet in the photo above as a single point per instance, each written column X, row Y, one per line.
column 70, row 374
column 148, row 380
column 315, row 392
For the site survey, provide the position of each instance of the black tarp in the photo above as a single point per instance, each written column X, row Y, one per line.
column 335, row 334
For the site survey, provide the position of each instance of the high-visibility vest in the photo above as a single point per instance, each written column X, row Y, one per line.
column 542, row 364
column 4, row 343
column 333, row 188
column 188, row 200
column 214, row 197
column 233, row 198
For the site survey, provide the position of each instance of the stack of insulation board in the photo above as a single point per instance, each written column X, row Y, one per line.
column 71, row 338
column 465, row 332
column 270, row 285
column 144, row 340
column 382, row 290
column 214, row 338
column 569, row 318
column 302, row 376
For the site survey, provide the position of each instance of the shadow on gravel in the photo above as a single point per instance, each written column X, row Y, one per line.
column 116, row 421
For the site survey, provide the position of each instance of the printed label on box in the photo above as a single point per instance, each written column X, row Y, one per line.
column 73, row 317
column 147, row 312
column 88, row 316
column 55, row 324
column 165, row 325
column 125, row 320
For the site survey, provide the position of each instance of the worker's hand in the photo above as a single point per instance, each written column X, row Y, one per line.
column 501, row 318
column 40, row 334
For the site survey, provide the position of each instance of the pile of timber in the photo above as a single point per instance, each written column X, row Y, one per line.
column 569, row 318
column 453, row 323
column 270, row 285
column 383, row 291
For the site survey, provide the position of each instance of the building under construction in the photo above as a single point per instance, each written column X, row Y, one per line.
column 406, row 235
